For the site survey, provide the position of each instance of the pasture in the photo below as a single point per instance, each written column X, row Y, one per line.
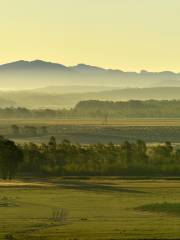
column 92, row 131
column 89, row 208
column 95, row 122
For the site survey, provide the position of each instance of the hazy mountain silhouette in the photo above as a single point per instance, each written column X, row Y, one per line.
column 50, row 99
column 71, row 89
column 33, row 65
column 36, row 74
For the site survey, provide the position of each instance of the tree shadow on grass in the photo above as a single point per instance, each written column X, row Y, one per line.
column 94, row 187
column 164, row 207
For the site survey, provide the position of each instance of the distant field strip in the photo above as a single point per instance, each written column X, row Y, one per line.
column 96, row 122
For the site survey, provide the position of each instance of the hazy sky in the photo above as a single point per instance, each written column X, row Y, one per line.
column 124, row 34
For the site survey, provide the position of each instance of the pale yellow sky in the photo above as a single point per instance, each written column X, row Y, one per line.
column 123, row 34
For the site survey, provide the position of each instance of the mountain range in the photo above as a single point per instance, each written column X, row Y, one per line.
column 40, row 84
column 37, row 74
column 44, row 98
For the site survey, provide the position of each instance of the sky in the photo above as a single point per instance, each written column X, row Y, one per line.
column 121, row 34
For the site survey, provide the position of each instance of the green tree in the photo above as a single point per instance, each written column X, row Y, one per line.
column 10, row 158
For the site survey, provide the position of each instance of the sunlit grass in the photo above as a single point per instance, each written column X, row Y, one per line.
column 90, row 208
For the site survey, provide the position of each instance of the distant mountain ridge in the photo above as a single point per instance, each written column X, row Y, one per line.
column 54, row 98
column 79, row 67
column 36, row 74
column 21, row 64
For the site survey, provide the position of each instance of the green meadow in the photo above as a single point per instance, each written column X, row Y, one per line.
column 90, row 208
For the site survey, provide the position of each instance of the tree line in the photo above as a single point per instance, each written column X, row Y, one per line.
column 28, row 130
column 67, row 159
column 130, row 109
column 101, row 110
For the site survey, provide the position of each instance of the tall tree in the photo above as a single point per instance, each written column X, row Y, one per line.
column 10, row 158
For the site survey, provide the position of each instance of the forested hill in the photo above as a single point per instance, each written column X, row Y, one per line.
column 135, row 109
column 55, row 97
column 101, row 109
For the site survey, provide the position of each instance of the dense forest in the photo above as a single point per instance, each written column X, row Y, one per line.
column 67, row 159
column 130, row 109
column 101, row 110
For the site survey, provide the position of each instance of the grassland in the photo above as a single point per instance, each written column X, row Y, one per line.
column 96, row 208
column 165, row 207
column 95, row 131
column 96, row 122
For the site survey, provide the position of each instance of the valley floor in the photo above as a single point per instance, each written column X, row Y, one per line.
column 91, row 131
column 88, row 208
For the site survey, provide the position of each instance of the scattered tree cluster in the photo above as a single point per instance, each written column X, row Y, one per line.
column 28, row 131
column 52, row 159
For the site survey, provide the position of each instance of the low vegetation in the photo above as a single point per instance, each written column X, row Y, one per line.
column 37, row 131
column 165, row 207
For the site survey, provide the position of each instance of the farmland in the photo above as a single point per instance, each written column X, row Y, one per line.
column 93, row 131
column 91, row 208
column 95, row 122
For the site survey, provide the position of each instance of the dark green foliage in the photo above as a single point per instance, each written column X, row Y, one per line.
column 129, row 109
column 53, row 159
column 10, row 158
column 133, row 159
column 169, row 208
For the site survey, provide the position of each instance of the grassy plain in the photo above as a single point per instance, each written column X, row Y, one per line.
column 96, row 122
column 96, row 208
column 95, row 131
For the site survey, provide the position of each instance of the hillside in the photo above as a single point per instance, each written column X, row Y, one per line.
column 129, row 109
column 53, row 97
column 37, row 74
column 104, row 110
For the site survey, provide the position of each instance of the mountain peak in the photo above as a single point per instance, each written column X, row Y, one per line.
column 38, row 61
column 35, row 64
column 86, row 67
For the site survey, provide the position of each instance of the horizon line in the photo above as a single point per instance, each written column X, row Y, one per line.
column 78, row 64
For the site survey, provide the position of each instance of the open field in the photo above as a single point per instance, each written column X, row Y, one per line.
column 96, row 208
column 96, row 122
column 93, row 131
